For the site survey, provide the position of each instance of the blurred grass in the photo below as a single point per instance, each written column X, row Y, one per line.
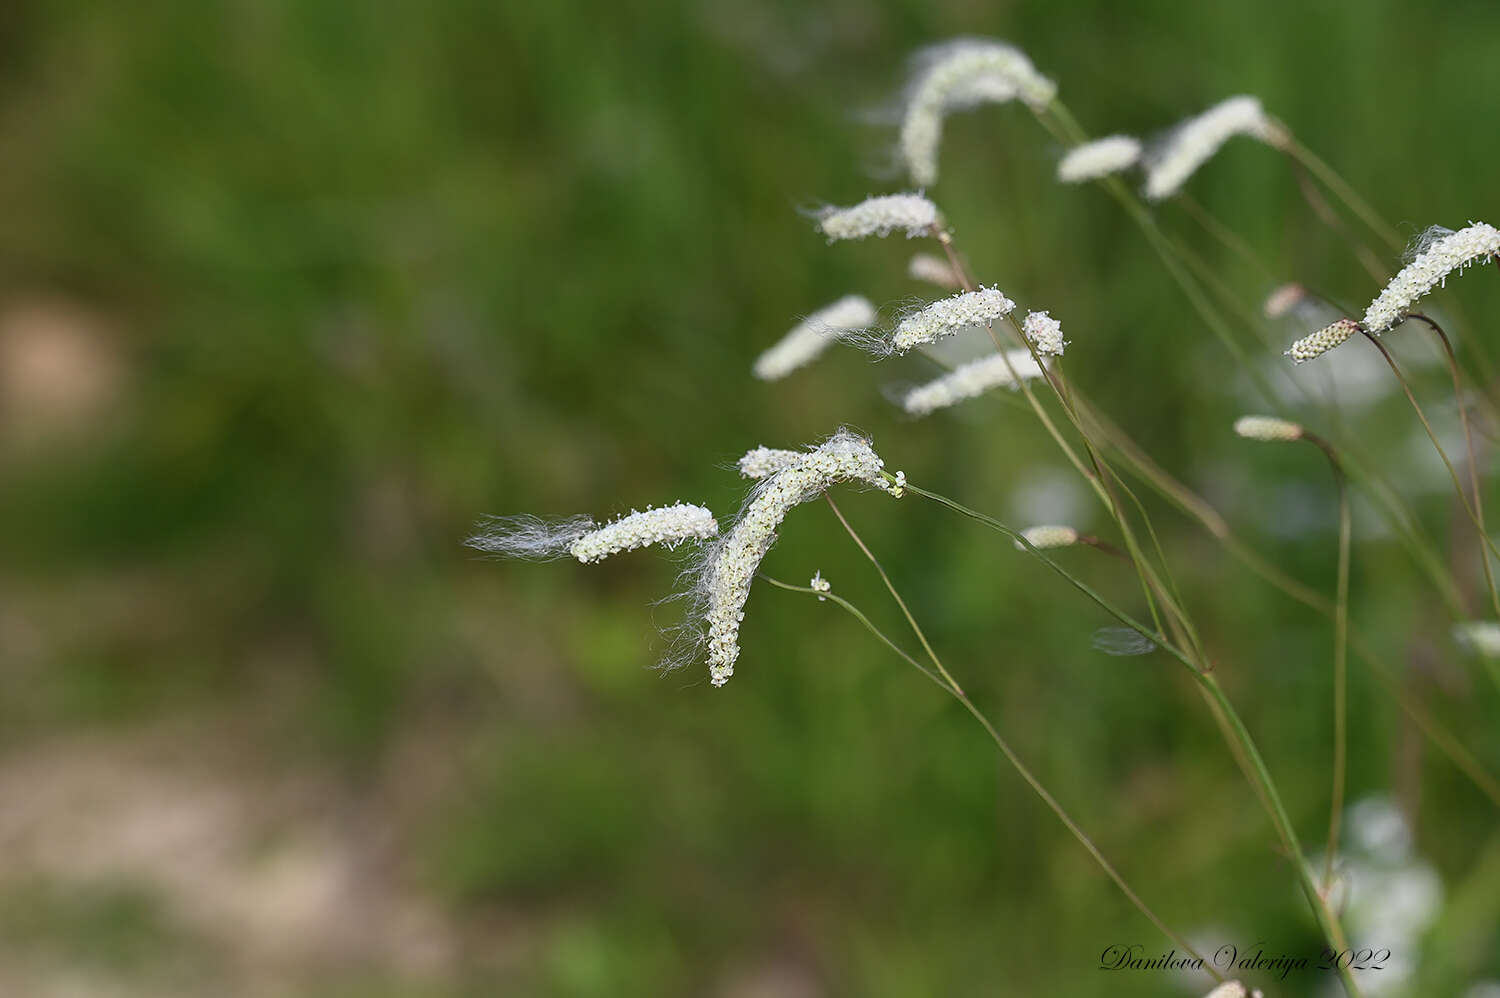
column 372, row 270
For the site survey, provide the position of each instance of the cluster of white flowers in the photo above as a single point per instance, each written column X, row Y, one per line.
column 813, row 335
column 1324, row 340
column 1045, row 333
column 1268, row 428
column 957, row 75
column 1099, row 158
column 1189, row 145
column 730, row 566
column 880, row 216
column 947, row 316
column 933, row 270
column 665, row 525
column 1048, row 535
column 1283, row 299
column 972, row 380
column 1430, row 269
column 819, row 585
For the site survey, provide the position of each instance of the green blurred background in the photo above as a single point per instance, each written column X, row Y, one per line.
column 293, row 293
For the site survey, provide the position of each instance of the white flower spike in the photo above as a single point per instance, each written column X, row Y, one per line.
column 533, row 538
column 1283, row 299
column 1045, row 333
column 956, row 75
column 1324, row 340
column 813, row 335
column 1099, row 158
column 1048, row 535
column 972, row 380
column 1441, row 257
column 933, row 270
column 880, row 216
column 1268, row 428
column 1189, row 145
column 765, row 461
column 947, row 316
column 728, row 568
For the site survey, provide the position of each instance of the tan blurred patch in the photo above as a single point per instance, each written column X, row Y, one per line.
column 61, row 371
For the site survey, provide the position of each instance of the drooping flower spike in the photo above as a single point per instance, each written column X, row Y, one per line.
column 813, row 335
column 1177, row 155
column 1048, row 535
column 1441, row 256
column 956, row 75
column 947, row 316
column 880, row 216
column 1099, row 158
column 537, row 539
column 1324, row 340
column 972, row 380
column 1268, row 428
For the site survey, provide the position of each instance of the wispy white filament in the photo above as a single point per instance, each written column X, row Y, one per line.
column 933, row 270
column 1099, row 158
column 1189, row 145
column 1048, row 535
column 1430, row 269
column 813, row 335
column 947, row 316
column 667, row 526
column 972, row 380
column 957, row 75
column 537, row 539
column 1045, row 333
column 729, row 566
column 1324, row 340
column 1268, row 428
column 880, row 216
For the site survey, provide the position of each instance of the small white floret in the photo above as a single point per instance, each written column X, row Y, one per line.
column 1440, row 257
column 947, row 316
column 813, row 335
column 1099, row 158
column 880, row 216
column 819, row 585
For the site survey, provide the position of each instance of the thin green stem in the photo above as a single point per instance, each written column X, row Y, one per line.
column 1340, row 187
column 1340, row 663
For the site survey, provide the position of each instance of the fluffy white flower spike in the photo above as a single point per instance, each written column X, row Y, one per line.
column 1440, row 257
column 957, row 75
column 1189, row 145
column 1099, row 158
column 947, row 316
column 880, row 216
column 933, row 270
column 1324, row 340
column 1047, row 536
column 729, row 566
column 813, row 335
column 581, row 537
column 1045, row 333
column 972, row 380
column 764, row 461
column 1268, row 428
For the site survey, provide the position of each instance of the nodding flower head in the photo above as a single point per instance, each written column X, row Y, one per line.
column 722, row 578
column 880, row 216
column 1324, row 340
column 947, row 316
column 957, row 75
column 1045, row 333
column 972, row 380
column 1439, row 257
column 813, row 335
column 1099, row 158
column 579, row 536
column 1048, row 535
column 933, row 270
column 1268, row 428
column 1178, row 154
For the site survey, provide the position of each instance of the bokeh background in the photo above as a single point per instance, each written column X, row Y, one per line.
column 292, row 293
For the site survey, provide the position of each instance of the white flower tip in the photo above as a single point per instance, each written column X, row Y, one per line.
column 668, row 526
column 1324, row 340
column 1045, row 333
column 1048, row 535
column 1099, row 158
column 1268, row 428
column 880, row 216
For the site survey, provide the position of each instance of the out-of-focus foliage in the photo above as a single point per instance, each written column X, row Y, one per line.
column 292, row 293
